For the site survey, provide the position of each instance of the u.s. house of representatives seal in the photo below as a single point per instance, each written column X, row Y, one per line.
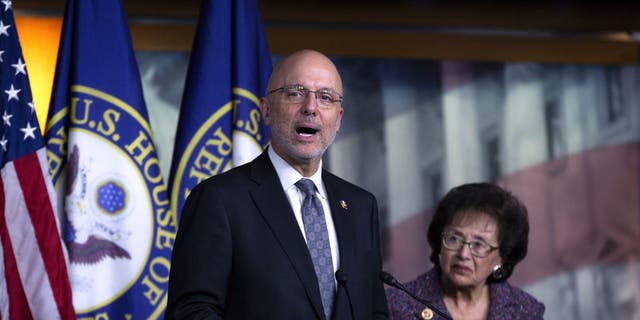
column 118, row 230
column 232, row 135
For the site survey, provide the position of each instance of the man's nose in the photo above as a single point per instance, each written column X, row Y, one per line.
column 310, row 104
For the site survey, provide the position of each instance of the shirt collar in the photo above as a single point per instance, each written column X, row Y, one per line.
column 289, row 176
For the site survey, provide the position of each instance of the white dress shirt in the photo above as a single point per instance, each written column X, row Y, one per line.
column 288, row 177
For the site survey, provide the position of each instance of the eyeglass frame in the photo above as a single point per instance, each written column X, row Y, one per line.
column 468, row 243
column 307, row 92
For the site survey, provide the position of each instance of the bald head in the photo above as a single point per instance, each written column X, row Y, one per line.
column 286, row 72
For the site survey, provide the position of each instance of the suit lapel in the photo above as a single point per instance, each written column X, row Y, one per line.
column 343, row 220
column 274, row 206
column 344, row 224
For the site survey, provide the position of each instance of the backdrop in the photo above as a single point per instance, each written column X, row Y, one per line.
column 563, row 138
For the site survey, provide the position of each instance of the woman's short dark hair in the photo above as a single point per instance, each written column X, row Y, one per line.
column 509, row 213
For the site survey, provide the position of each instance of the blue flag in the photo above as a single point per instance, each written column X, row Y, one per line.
column 220, row 124
column 104, row 167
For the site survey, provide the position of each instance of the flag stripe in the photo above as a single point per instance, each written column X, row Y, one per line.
column 4, row 295
column 17, row 306
column 25, row 226
column 53, row 200
column 44, row 239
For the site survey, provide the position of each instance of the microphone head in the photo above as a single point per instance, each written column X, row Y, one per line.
column 389, row 279
column 341, row 277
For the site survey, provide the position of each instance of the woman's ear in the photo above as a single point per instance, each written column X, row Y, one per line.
column 497, row 272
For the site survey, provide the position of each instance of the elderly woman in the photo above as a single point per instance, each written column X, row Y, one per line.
column 477, row 236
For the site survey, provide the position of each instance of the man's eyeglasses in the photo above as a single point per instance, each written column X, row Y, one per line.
column 297, row 94
column 455, row 242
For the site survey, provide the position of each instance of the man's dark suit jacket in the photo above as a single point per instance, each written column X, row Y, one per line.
column 239, row 252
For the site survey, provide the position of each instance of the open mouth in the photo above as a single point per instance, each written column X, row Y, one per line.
column 306, row 131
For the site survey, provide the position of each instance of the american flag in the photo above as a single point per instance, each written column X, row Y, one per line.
column 33, row 273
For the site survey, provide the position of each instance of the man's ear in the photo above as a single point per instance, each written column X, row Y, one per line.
column 340, row 119
column 264, row 109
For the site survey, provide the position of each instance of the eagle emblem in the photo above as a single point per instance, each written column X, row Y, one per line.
column 90, row 241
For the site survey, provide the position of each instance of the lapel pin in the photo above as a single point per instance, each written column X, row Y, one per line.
column 343, row 204
column 426, row 314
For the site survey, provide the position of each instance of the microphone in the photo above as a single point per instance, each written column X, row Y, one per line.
column 388, row 279
column 341, row 277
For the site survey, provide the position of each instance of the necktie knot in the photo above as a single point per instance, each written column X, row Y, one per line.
column 306, row 186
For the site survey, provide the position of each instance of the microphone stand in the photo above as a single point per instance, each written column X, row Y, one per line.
column 390, row 280
column 341, row 277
